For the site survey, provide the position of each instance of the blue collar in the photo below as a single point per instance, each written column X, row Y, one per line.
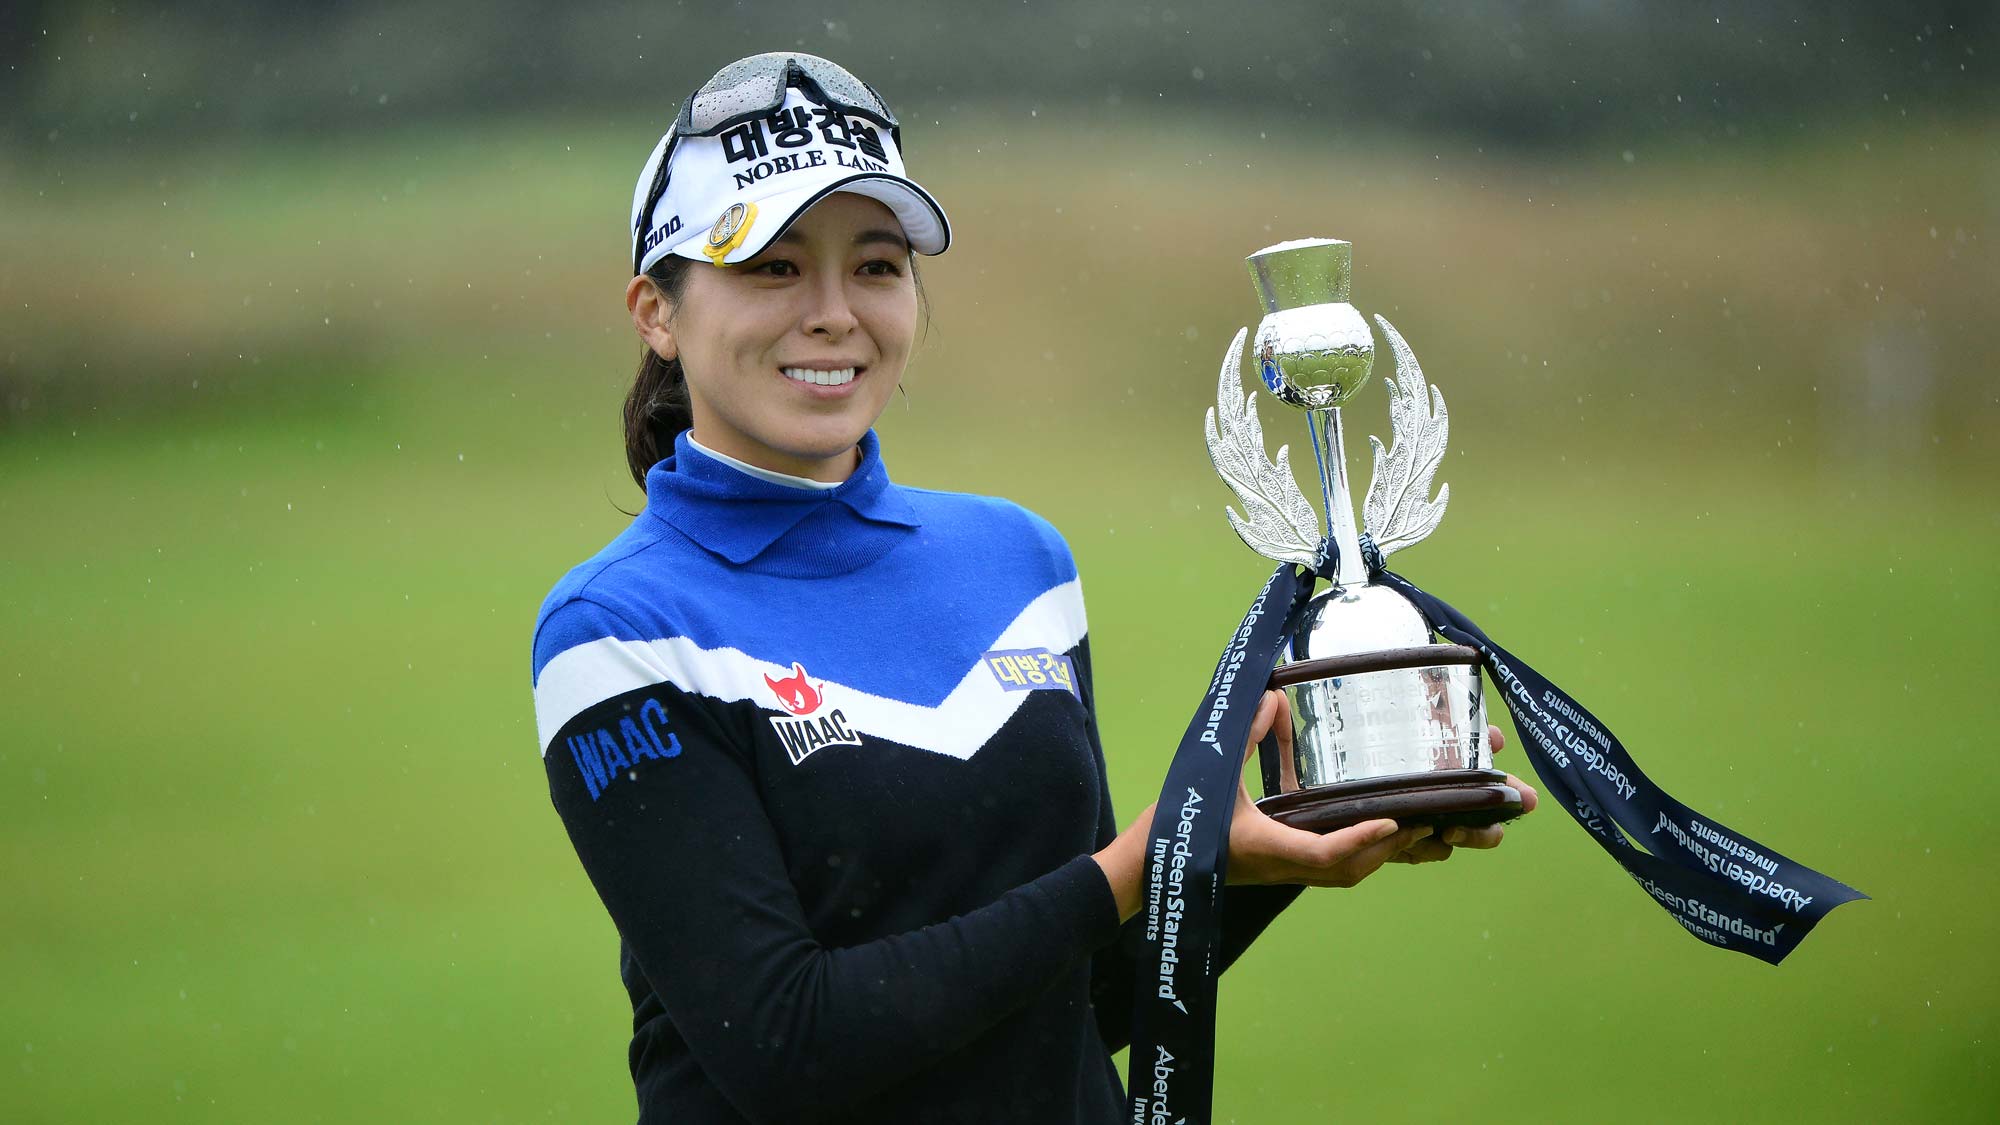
column 740, row 517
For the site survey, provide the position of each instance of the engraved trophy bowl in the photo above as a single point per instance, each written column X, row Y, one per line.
column 1387, row 721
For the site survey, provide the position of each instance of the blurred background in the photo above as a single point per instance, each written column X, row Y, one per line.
column 311, row 358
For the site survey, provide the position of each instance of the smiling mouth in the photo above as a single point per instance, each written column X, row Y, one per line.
column 837, row 378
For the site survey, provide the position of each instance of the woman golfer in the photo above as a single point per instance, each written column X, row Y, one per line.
column 826, row 744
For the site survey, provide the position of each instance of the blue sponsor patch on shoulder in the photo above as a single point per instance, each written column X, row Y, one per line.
column 1032, row 669
column 606, row 753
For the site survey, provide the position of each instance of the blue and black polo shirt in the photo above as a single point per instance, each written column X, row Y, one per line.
column 830, row 758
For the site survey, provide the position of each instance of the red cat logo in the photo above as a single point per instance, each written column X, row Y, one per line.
column 795, row 693
column 803, row 732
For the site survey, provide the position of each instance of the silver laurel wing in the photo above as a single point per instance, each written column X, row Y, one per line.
column 1278, row 522
column 1398, row 511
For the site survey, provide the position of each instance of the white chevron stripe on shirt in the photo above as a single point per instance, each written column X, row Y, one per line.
column 580, row 677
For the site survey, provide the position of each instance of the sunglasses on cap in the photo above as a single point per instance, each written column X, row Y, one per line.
column 755, row 87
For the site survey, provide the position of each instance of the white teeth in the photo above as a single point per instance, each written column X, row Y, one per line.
column 838, row 378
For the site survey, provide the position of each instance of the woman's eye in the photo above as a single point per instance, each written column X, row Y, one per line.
column 881, row 267
column 778, row 267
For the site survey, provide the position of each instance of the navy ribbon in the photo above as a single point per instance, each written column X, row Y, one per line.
column 1722, row 886
column 1173, row 1024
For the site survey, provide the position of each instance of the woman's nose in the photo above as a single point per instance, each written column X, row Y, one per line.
column 830, row 314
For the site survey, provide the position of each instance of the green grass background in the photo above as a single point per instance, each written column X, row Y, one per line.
column 299, row 436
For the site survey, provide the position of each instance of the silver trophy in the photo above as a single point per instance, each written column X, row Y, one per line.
column 1387, row 721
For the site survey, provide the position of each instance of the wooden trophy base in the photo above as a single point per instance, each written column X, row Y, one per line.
column 1444, row 798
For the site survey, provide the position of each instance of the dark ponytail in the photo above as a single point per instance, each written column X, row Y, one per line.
column 657, row 410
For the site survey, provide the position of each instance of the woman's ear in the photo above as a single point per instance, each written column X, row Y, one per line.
column 652, row 316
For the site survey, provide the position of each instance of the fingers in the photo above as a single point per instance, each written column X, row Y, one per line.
column 1429, row 850
column 1495, row 739
column 1437, row 849
column 1267, row 716
column 1529, row 798
column 1274, row 714
column 1263, row 851
column 1334, row 846
column 1340, row 863
column 1283, row 722
column 1462, row 836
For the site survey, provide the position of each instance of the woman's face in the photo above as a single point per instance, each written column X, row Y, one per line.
column 792, row 355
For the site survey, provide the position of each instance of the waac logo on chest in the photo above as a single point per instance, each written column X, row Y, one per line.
column 808, row 727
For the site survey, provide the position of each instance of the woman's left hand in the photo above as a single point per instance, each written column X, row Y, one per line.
column 1433, row 849
column 1288, row 852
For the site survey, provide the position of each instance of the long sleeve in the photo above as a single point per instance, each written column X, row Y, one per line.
column 659, row 795
column 825, row 760
column 1246, row 912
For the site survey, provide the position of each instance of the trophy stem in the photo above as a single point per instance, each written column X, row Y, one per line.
column 1330, row 452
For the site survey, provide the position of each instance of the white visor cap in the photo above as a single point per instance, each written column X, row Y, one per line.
column 728, row 196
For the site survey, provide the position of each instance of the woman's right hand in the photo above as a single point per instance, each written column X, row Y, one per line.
column 1263, row 851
